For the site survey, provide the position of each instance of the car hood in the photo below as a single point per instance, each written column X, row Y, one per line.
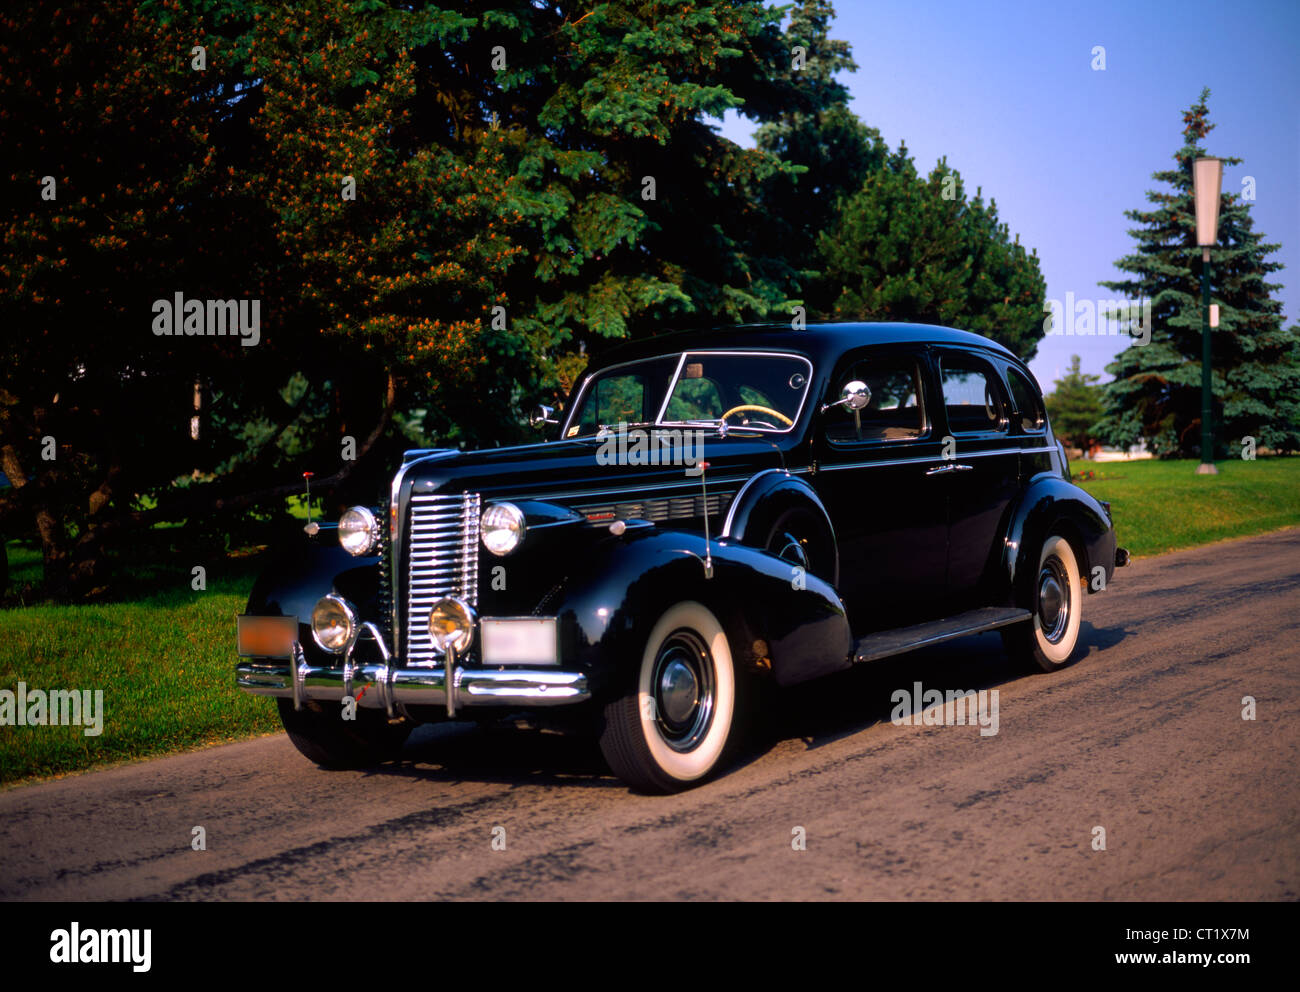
column 562, row 471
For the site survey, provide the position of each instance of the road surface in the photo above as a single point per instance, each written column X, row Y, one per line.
column 1143, row 738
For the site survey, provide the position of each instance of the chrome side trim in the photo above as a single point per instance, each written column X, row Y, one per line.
column 930, row 458
column 735, row 500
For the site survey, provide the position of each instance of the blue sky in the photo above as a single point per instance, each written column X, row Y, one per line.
column 1006, row 91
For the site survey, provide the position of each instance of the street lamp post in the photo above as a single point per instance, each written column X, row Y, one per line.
column 1207, row 181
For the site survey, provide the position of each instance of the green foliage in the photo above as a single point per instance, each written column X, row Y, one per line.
column 1156, row 393
column 1074, row 405
column 533, row 181
column 912, row 249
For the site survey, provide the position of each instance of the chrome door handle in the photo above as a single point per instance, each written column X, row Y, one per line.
column 962, row 468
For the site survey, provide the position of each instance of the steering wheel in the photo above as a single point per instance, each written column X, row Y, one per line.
column 761, row 409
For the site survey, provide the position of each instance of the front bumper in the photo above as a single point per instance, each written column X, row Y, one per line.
column 386, row 686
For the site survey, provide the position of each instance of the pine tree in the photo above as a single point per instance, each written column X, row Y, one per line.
column 1156, row 392
column 831, row 151
column 1074, row 404
column 907, row 248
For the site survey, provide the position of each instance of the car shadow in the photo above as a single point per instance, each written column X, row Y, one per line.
column 500, row 752
column 829, row 709
column 815, row 713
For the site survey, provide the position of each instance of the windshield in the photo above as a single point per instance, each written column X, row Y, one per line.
column 760, row 392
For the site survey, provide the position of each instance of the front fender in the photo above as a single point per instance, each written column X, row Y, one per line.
column 793, row 628
column 307, row 568
column 764, row 498
column 1048, row 505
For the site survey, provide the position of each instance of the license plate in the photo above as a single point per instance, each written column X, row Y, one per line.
column 519, row 641
column 266, row 637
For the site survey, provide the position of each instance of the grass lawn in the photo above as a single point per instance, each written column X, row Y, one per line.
column 1161, row 506
column 164, row 659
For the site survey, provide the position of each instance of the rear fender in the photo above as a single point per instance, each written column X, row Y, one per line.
column 1051, row 505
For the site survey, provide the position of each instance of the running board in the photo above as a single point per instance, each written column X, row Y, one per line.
column 904, row 639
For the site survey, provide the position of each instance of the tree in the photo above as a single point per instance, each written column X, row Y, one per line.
column 438, row 208
column 912, row 249
column 813, row 130
column 1074, row 405
column 1156, row 391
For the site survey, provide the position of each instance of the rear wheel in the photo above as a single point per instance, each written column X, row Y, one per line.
column 672, row 726
column 1048, row 642
column 322, row 735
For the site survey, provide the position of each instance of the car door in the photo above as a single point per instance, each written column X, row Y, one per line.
column 980, row 469
column 889, row 517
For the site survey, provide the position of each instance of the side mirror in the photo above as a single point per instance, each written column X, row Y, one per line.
column 542, row 416
column 855, row 395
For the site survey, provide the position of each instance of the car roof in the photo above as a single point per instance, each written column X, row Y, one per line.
column 820, row 342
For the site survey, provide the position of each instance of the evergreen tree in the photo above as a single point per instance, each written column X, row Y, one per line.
column 1156, row 392
column 814, row 131
column 1073, row 405
column 913, row 249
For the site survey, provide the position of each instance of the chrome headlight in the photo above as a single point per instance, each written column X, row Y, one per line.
column 502, row 528
column 451, row 624
column 333, row 623
column 358, row 531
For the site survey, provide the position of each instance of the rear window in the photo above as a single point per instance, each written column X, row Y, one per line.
column 1025, row 398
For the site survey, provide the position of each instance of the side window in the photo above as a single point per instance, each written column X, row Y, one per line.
column 895, row 410
column 971, row 395
column 1025, row 397
column 616, row 398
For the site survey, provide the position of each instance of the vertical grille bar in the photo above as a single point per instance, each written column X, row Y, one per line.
column 442, row 538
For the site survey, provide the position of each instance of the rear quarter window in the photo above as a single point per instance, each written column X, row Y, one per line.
column 1024, row 396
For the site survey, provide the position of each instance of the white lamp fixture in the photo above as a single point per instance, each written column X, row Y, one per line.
column 1207, row 184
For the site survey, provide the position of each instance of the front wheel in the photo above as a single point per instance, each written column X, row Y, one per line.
column 1048, row 642
column 673, row 725
column 323, row 736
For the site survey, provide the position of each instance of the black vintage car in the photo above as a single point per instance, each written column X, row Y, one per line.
column 718, row 512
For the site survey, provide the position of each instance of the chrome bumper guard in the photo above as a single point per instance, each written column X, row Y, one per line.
column 384, row 686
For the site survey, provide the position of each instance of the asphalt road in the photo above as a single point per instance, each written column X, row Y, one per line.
column 1143, row 737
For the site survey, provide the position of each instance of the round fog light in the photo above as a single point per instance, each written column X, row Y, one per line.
column 333, row 622
column 451, row 624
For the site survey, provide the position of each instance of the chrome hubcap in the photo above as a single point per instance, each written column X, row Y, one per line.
column 1053, row 599
column 683, row 690
column 678, row 690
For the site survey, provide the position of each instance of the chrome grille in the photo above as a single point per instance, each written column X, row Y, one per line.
column 442, row 538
